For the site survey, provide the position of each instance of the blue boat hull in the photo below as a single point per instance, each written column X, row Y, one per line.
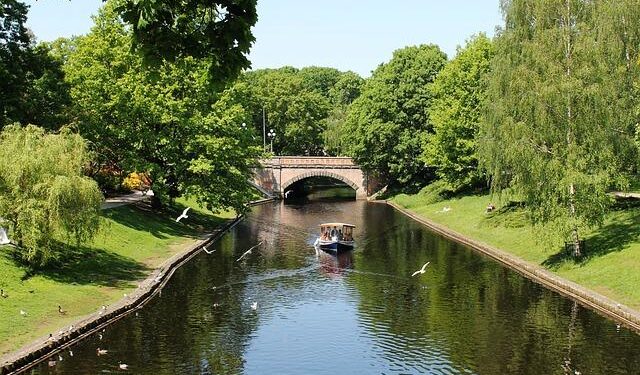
column 336, row 245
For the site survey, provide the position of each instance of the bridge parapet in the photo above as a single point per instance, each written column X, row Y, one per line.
column 310, row 162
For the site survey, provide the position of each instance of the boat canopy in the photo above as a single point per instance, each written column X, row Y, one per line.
column 337, row 225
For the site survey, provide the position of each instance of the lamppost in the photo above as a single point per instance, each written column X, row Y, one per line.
column 271, row 135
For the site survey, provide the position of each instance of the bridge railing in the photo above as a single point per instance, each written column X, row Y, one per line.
column 309, row 161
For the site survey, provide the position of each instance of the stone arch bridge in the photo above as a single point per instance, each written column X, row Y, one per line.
column 280, row 172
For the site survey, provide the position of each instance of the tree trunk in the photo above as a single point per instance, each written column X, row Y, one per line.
column 574, row 231
column 570, row 136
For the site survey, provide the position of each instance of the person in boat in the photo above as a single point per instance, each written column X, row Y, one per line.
column 340, row 237
column 334, row 232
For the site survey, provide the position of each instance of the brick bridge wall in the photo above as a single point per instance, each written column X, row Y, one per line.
column 278, row 173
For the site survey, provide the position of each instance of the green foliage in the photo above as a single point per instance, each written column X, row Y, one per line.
column 31, row 78
column 557, row 127
column 320, row 79
column 218, row 31
column 386, row 123
column 346, row 89
column 342, row 94
column 294, row 111
column 459, row 92
column 158, row 120
column 43, row 194
column 14, row 54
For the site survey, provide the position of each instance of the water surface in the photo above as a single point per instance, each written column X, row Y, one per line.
column 357, row 313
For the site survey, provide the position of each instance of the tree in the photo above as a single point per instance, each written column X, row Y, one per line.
column 43, row 193
column 157, row 120
column 14, row 52
column 47, row 98
column 387, row 122
column 554, row 123
column 459, row 92
column 219, row 31
column 342, row 94
column 295, row 112
column 346, row 89
column 31, row 78
column 320, row 79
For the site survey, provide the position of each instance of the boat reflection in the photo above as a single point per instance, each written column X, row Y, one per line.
column 335, row 264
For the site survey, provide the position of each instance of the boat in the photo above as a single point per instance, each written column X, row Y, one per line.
column 336, row 236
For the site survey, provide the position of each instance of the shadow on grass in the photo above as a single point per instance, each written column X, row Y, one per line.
column 162, row 224
column 85, row 265
column 610, row 238
column 511, row 215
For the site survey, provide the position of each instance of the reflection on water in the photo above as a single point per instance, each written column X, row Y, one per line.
column 358, row 312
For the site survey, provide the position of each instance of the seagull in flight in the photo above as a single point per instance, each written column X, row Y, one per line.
column 208, row 251
column 183, row 215
column 421, row 270
column 248, row 252
column 254, row 305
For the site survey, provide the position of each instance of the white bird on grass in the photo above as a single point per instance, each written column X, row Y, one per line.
column 4, row 240
column 208, row 251
column 70, row 353
column 248, row 252
column 101, row 351
column 421, row 270
column 183, row 215
column 23, row 313
column 446, row 209
column 123, row 366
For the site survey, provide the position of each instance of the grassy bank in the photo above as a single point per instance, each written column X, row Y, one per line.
column 610, row 265
column 131, row 243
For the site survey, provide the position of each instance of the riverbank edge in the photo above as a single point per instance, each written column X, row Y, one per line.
column 44, row 347
column 585, row 296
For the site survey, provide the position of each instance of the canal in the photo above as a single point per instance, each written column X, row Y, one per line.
column 357, row 313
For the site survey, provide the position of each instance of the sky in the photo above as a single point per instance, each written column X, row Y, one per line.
column 355, row 35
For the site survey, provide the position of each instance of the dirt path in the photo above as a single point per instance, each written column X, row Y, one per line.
column 123, row 200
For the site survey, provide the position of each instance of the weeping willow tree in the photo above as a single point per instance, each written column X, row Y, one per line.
column 558, row 128
column 44, row 196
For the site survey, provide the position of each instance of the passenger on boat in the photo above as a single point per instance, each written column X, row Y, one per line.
column 340, row 237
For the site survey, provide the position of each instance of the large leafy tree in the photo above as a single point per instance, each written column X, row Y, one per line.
column 32, row 84
column 158, row 120
column 342, row 94
column 558, row 130
column 459, row 91
column 293, row 110
column 386, row 124
column 219, row 31
column 44, row 195
column 15, row 51
column 320, row 79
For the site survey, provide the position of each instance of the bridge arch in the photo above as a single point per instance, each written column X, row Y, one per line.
column 320, row 173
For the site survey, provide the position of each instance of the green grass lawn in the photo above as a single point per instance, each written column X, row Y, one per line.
column 611, row 265
column 131, row 243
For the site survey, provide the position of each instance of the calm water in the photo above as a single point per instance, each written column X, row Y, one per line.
column 358, row 313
